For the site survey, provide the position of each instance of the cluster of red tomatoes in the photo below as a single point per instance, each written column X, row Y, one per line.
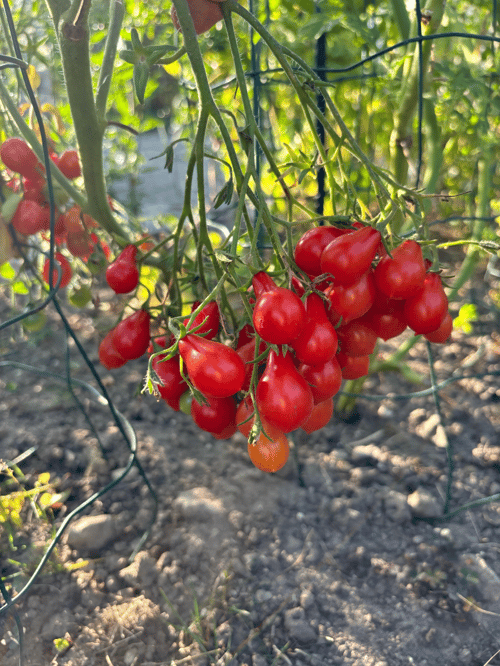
column 288, row 364
column 30, row 213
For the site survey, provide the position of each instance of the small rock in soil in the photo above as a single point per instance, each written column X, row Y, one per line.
column 423, row 504
column 91, row 534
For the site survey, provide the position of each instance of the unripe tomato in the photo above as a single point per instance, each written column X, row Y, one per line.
column 214, row 369
column 279, row 314
column 269, row 456
column 350, row 255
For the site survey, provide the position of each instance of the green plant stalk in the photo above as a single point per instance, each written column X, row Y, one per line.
column 408, row 104
column 345, row 404
column 116, row 14
column 401, row 18
column 434, row 151
column 484, row 186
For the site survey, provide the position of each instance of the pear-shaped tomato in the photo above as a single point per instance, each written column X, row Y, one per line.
column 279, row 314
column 122, row 274
column 425, row 312
column 403, row 274
column 317, row 341
column 131, row 336
column 350, row 255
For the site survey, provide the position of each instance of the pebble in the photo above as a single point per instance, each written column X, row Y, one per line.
column 142, row 572
column 396, row 506
column 92, row 533
column 424, row 504
column 297, row 626
column 199, row 504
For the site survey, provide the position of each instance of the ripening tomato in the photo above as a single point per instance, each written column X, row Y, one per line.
column 131, row 336
column 204, row 13
column 403, row 274
column 357, row 338
column 214, row 369
column 69, row 164
column 350, row 302
column 317, row 341
column 122, row 274
column 173, row 385
column 350, row 255
column 215, row 415
column 307, row 252
column 208, row 318
column 321, row 414
column 279, row 314
column 66, row 270
column 441, row 334
column 269, row 456
column 425, row 312
column 108, row 356
column 324, row 380
column 283, row 396
column 353, row 367
column 19, row 157
column 29, row 217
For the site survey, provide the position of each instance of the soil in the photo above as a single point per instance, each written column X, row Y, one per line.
column 340, row 558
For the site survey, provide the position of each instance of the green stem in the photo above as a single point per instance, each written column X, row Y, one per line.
column 401, row 17
column 116, row 14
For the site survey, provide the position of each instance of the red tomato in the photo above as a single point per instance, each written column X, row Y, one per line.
column 357, row 338
column 324, row 380
column 442, row 333
column 108, row 356
column 29, row 217
column 245, row 419
column 65, row 268
column 216, row 415
column 320, row 416
column 401, row 276
column 317, row 341
column 69, row 164
column 172, row 384
column 246, row 334
column 19, row 157
column 215, row 369
column 353, row 367
column 226, row 432
column 425, row 312
column 351, row 302
column 269, row 456
column 350, row 255
column 79, row 244
column 279, row 314
column 205, row 14
column 209, row 317
column 283, row 396
column 247, row 355
column 386, row 317
column 307, row 253
column 131, row 336
column 122, row 274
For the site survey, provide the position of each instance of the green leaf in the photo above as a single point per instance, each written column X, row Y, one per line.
column 136, row 41
column 141, row 75
column 466, row 316
column 225, row 195
column 128, row 56
column 7, row 272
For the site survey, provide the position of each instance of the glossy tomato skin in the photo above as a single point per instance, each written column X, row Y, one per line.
column 173, row 384
column 324, row 380
column 131, row 336
column 317, row 342
column 353, row 367
column 108, row 356
column 350, row 255
column 425, row 312
column 245, row 419
column 122, row 275
column 283, row 395
column 350, row 302
column 321, row 414
column 279, row 314
column 307, row 252
column 214, row 369
column 215, row 415
column 269, row 456
column 357, row 338
column 247, row 354
column 29, row 217
column 209, row 318
column 443, row 333
column 66, row 269
column 386, row 317
column 402, row 275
